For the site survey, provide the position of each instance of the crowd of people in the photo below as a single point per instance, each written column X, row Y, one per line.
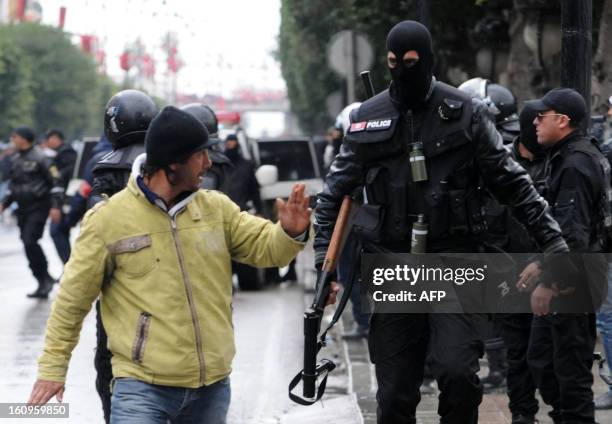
column 528, row 179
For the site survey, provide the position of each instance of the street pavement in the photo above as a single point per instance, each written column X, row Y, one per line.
column 269, row 341
column 492, row 410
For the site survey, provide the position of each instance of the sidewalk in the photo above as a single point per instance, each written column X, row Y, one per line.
column 493, row 409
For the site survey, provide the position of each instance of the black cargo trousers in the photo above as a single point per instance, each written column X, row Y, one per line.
column 560, row 357
column 31, row 221
column 398, row 347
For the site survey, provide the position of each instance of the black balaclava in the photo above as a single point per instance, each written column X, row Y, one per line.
column 529, row 138
column 410, row 84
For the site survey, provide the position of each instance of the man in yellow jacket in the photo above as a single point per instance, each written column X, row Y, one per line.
column 159, row 256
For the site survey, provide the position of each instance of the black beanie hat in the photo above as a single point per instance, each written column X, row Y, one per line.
column 25, row 132
column 173, row 136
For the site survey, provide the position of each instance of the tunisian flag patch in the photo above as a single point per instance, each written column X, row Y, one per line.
column 357, row 126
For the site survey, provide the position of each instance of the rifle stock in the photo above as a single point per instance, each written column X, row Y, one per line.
column 314, row 314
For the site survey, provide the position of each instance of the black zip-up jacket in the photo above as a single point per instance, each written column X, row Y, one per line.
column 505, row 179
column 242, row 185
column 65, row 161
column 34, row 181
column 575, row 188
column 519, row 239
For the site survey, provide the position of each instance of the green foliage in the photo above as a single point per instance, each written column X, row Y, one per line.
column 67, row 91
column 16, row 99
column 308, row 25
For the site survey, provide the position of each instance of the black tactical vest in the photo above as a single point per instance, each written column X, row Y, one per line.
column 381, row 137
column 119, row 162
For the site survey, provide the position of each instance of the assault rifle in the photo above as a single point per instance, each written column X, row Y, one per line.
column 314, row 315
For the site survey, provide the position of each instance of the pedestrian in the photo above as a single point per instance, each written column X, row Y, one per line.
column 126, row 119
column 460, row 147
column 164, row 277
column 561, row 347
column 64, row 160
column 35, row 187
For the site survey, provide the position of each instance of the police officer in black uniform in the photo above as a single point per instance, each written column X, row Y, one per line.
column 502, row 107
column 561, row 344
column 516, row 327
column 64, row 160
column 500, row 102
column 460, row 144
column 35, row 186
column 217, row 177
column 127, row 117
column 126, row 120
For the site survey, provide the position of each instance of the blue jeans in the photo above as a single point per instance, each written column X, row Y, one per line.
column 604, row 322
column 60, row 233
column 137, row 402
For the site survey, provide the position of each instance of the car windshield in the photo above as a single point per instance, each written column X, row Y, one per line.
column 292, row 158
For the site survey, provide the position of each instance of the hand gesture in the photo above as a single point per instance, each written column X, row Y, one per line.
column 294, row 215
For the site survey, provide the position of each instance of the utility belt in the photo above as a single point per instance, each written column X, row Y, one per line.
column 417, row 233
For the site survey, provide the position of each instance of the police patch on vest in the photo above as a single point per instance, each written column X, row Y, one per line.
column 357, row 126
column 379, row 124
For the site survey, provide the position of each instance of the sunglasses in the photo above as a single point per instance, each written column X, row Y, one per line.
column 541, row 116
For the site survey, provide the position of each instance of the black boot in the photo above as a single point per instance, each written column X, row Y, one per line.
column 45, row 284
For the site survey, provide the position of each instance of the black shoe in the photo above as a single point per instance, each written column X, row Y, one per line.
column 357, row 333
column 45, row 285
column 38, row 294
column 523, row 419
column 493, row 381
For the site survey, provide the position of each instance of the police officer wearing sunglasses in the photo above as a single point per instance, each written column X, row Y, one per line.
column 561, row 345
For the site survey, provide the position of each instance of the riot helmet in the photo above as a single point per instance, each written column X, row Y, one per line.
column 499, row 100
column 207, row 117
column 127, row 117
column 343, row 119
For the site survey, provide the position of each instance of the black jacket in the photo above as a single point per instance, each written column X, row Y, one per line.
column 34, row 182
column 475, row 147
column 65, row 161
column 519, row 239
column 242, row 185
column 575, row 188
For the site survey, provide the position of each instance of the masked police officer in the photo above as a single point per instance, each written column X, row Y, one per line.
column 126, row 120
column 460, row 145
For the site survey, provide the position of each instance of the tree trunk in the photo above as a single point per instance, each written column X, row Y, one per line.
column 602, row 63
column 521, row 66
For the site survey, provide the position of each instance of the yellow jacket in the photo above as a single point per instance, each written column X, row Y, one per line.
column 165, row 285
